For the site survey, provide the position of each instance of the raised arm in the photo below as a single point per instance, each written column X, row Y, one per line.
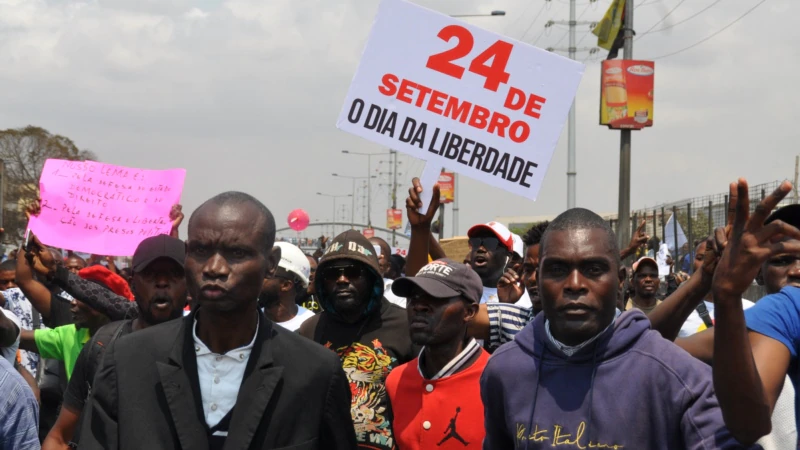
column 36, row 292
column 638, row 239
column 749, row 368
column 418, row 249
column 669, row 316
column 176, row 216
column 116, row 307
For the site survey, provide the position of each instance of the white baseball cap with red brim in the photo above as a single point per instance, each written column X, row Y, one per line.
column 498, row 229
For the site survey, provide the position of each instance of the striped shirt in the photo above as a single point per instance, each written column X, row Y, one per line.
column 455, row 364
column 505, row 321
column 19, row 411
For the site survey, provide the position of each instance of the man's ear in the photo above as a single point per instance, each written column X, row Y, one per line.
column 623, row 273
column 287, row 285
column 470, row 311
column 273, row 258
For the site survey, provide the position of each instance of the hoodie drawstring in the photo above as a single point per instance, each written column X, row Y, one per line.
column 591, row 391
column 535, row 394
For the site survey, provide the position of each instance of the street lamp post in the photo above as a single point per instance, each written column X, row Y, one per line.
column 334, row 197
column 369, row 183
column 353, row 212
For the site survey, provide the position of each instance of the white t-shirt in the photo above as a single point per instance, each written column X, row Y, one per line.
column 694, row 323
column 489, row 295
column 389, row 295
column 10, row 353
column 784, row 433
column 294, row 323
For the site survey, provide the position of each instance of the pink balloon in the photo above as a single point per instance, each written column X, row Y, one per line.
column 298, row 220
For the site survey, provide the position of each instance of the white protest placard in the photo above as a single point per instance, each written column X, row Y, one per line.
column 460, row 97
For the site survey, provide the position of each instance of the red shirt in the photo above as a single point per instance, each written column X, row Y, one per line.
column 437, row 414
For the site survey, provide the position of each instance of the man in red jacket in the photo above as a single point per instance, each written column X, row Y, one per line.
column 436, row 397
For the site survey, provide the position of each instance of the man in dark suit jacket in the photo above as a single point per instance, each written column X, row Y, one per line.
column 223, row 377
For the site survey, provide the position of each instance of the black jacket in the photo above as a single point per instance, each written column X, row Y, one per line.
column 296, row 396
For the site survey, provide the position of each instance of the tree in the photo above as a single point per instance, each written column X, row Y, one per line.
column 24, row 151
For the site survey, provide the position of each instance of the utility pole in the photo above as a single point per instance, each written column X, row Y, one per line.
column 623, row 213
column 796, row 173
column 353, row 207
column 365, row 199
column 394, row 191
column 455, row 204
column 572, row 171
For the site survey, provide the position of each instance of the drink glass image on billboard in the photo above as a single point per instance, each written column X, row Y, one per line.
column 626, row 97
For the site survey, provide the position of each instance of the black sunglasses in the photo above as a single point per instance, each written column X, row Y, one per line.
column 489, row 243
column 349, row 272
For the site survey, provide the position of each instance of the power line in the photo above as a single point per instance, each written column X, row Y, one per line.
column 579, row 18
column 711, row 36
column 522, row 38
column 544, row 30
column 519, row 17
column 688, row 18
column 660, row 21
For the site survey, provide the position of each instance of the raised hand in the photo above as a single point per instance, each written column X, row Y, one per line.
column 751, row 242
column 716, row 243
column 33, row 208
column 414, row 203
column 176, row 215
column 509, row 287
column 39, row 257
column 640, row 237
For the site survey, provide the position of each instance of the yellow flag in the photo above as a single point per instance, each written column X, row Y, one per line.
column 608, row 28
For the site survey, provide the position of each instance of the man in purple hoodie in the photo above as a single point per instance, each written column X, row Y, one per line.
column 580, row 377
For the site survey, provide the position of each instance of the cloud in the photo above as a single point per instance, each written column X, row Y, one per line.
column 245, row 95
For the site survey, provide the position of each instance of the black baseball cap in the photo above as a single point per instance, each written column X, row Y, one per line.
column 789, row 214
column 161, row 246
column 443, row 278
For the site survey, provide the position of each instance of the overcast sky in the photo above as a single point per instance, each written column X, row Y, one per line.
column 245, row 94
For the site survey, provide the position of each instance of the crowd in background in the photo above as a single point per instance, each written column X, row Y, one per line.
column 558, row 337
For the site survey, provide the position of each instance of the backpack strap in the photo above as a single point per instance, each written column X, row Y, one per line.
column 702, row 310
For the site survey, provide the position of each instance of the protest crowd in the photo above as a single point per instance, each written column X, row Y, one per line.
column 227, row 338
column 118, row 332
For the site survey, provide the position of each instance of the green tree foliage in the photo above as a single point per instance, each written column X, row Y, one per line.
column 24, row 152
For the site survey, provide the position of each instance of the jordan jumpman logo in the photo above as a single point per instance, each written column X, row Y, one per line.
column 451, row 431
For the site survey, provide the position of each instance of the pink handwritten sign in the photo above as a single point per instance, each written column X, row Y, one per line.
column 104, row 209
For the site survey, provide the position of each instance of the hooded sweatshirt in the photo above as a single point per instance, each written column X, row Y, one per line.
column 629, row 389
column 369, row 348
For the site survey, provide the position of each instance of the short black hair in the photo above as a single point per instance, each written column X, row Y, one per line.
column 581, row 218
column 74, row 256
column 534, row 235
column 265, row 226
column 9, row 265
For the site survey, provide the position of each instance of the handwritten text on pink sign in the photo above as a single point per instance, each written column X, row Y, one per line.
column 104, row 209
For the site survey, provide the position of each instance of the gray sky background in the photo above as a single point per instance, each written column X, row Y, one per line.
column 244, row 94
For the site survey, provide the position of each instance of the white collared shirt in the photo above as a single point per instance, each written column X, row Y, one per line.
column 220, row 377
column 455, row 364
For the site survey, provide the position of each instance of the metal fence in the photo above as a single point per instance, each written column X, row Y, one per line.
column 697, row 217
